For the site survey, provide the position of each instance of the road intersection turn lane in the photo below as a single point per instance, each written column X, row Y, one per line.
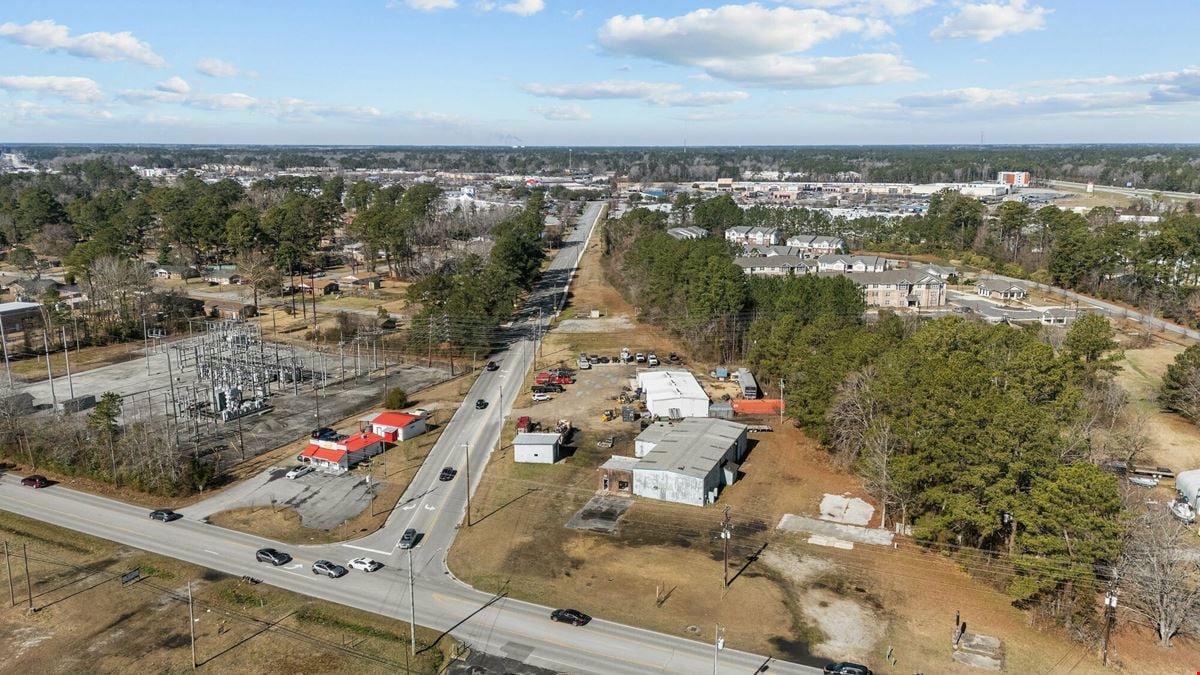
column 486, row 619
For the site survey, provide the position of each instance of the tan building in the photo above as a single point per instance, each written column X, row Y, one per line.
column 901, row 288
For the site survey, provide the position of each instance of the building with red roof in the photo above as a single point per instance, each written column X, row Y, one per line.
column 395, row 426
column 340, row 455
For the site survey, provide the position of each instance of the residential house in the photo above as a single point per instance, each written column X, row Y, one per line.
column 900, row 288
column 813, row 246
column 778, row 265
column 343, row 453
column 939, row 271
column 224, row 309
column 688, row 232
column 768, row 251
column 851, row 263
column 753, row 236
column 362, row 280
column 175, row 272
column 223, row 276
column 395, row 426
column 689, row 461
column 998, row 289
column 33, row 290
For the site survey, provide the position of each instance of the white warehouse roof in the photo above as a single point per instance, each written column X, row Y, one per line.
column 667, row 390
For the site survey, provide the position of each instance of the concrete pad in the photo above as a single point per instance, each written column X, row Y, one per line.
column 820, row 540
column 322, row 501
column 604, row 325
column 846, row 509
column 600, row 514
column 862, row 535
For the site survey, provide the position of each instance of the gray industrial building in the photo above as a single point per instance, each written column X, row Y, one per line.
column 688, row 461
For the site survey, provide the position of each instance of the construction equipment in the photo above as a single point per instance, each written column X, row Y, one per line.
column 608, row 415
column 606, row 442
column 562, row 427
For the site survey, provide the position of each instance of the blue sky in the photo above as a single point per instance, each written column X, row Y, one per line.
column 604, row 72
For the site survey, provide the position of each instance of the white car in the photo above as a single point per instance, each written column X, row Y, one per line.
column 299, row 471
column 540, row 396
column 364, row 564
column 652, row 360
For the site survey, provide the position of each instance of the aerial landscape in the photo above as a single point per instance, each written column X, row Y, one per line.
column 545, row 336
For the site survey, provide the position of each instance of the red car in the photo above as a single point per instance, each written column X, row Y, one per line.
column 35, row 481
column 541, row 378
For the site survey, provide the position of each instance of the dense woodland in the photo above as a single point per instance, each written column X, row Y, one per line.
column 1157, row 167
column 986, row 440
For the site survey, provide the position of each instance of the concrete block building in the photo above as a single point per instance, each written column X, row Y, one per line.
column 688, row 462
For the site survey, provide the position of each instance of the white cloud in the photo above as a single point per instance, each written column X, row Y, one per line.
column 214, row 67
column 1167, row 77
column 818, row 72
column 655, row 93
column 760, row 46
column 980, row 102
column 731, row 31
column 285, row 109
column 32, row 113
column 523, row 7
column 425, row 5
column 869, row 7
column 563, row 113
column 79, row 89
column 174, row 85
column 986, row 22
column 49, row 36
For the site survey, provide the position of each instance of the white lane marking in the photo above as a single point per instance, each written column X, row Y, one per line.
column 369, row 550
column 410, row 507
column 212, row 552
column 294, row 567
column 430, row 508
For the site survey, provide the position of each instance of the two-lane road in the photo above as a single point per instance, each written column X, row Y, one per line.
column 483, row 618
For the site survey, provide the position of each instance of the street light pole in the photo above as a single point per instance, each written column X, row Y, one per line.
column 467, row 454
column 412, row 603
column 718, row 644
column 146, row 343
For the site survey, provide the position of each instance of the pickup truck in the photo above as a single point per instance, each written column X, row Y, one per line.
column 542, row 378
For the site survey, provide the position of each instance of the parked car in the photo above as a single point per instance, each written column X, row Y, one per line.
column 539, row 389
column 673, row 357
column 448, row 473
column 329, row 569
column 846, row 668
column 593, row 359
column 165, row 515
column 492, row 365
column 480, row 404
column 553, row 388
column 270, row 555
column 571, row 616
column 365, row 564
column 35, row 481
column 298, row 471
column 541, row 397
column 652, row 360
column 639, row 357
column 322, row 433
column 408, row 539
column 604, row 359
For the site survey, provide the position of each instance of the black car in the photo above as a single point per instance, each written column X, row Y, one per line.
column 165, row 515
column 480, row 404
column 35, row 481
column 447, row 473
column 322, row 434
column 329, row 569
column 846, row 668
column 552, row 389
column 571, row 616
column 492, row 365
column 270, row 555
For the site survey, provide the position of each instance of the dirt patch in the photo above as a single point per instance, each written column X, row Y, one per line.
column 602, row 513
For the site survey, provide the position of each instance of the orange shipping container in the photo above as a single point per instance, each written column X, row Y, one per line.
column 762, row 406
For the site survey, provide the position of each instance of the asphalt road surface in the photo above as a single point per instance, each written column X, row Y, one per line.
column 484, row 618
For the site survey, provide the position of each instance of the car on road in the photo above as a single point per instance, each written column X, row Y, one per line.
column 571, row 616
column 541, row 396
column 165, row 515
column 35, row 481
column 270, row 555
column 491, row 366
column 846, row 668
column 298, row 471
column 329, row 569
column 448, row 473
column 365, row 564
column 480, row 404
column 408, row 539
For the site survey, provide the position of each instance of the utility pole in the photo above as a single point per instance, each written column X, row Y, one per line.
column 467, row 454
column 146, row 344
column 12, row 596
column 1110, row 616
column 49, row 372
column 28, row 583
column 192, row 624
column 718, row 645
column 4, row 343
column 781, row 400
column 412, row 603
column 67, row 356
column 725, row 539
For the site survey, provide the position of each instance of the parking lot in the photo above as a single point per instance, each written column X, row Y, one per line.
column 321, row 500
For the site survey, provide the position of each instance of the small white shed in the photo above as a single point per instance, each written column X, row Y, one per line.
column 540, row 448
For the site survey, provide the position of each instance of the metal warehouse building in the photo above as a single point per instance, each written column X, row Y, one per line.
column 689, row 461
column 673, row 393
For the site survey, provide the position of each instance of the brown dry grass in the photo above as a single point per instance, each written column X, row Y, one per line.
column 1174, row 442
column 86, row 624
column 87, row 358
